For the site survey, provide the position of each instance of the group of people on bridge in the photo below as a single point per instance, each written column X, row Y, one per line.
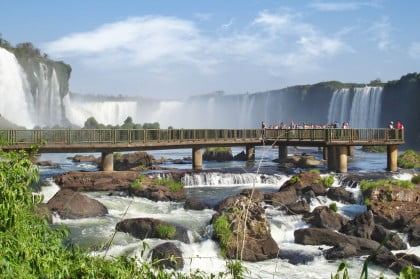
column 399, row 125
column 293, row 125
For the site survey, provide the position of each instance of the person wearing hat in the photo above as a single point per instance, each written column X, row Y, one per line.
column 391, row 125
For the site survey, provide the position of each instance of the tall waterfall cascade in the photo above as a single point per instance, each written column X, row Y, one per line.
column 361, row 107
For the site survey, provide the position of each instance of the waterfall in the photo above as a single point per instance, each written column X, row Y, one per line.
column 13, row 90
column 229, row 179
column 339, row 109
column 366, row 107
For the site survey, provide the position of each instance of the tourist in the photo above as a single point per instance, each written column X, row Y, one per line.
column 391, row 125
column 400, row 126
column 263, row 126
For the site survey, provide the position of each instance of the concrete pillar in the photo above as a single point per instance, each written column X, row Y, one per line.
column 392, row 157
column 325, row 153
column 350, row 151
column 250, row 152
column 107, row 161
column 342, row 158
column 197, row 159
column 282, row 152
column 331, row 161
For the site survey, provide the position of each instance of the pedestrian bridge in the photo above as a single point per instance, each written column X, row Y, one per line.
column 336, row 143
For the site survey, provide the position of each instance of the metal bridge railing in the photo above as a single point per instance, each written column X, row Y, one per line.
column 117, row 136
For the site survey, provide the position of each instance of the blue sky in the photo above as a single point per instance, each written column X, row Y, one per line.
column 174, row 49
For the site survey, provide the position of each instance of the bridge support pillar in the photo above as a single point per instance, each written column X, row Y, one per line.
column 107, row 161
column 342, row 158
column 350, row 151
column 282, row 152
column 332, row 158
column 392, row 157
column 250, row 152
column 197, row 159
column 324, row 153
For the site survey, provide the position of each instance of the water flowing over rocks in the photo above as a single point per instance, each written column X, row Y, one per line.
column 96, row 181
column 149, row 228
column 250, row 237
column 70, row 204
column 168, row 255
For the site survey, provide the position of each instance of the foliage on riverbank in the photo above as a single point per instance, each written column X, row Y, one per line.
column 92, row 123
column 409, row 159
column 374, row 148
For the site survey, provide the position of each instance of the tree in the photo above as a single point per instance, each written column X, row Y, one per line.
column 91, row 123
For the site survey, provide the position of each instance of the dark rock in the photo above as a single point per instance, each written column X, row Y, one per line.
column 44, row 212
column 413, row 232
column 361, row 226
column 195, row 204
column 309, row 195
column 96, row 181
column 255, row 194
column 286, row 196
column 133, row 160
column 240, row 157
column 324, row 217
column 389, row 260
column 296, row 257
column 414, row 259
column 258, row 245
column 394, row 242
column 307, row 162
column 149, row 228
column 302, row 180
column 299, row 207
column 83, row 158
column 317, row 189
column 158, row 193
column 341, row 251
column 168, row 255
column 322, row 236
column 47, row 163
column 340, row 194
column 70, row 204
column 216, row 155
column 395, row 214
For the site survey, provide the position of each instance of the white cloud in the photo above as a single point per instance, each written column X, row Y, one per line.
column 414, row 50
column 340, row 6
column 380, row 32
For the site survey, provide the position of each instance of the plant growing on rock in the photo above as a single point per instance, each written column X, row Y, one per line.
column 222, row 232
column 327, row 181
column 409, row 159
column 166, row 231
column 333, row 207
column 173, row 185
column 366, row 185
column 415, row 179
column 138, row 183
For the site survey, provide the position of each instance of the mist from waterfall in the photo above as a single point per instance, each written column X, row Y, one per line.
column 361, row 107
column 13, row 91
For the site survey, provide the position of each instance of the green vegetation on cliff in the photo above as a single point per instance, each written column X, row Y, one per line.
column 409, row 159
column 92, row 123
column 374, row 148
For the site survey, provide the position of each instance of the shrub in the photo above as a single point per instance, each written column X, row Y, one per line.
column 409, row 159
column 327, row 181
column 173, row 185
column 315, row 171
column 333, row 206
column 415, row 179
column 367, row 185
column 295, row 179
column 374, row 148
column 222, row 232
column 166, row 231
column 138, row 183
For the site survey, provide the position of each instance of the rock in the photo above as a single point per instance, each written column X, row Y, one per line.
column 70, row 204
column 389, row 260
column 308, row 195
column 324, row 217
column 96, row 181
column 195, row 204
column 413, row 232
column 286, row 196
column 240, row 157
column 84, row 158
column 47, row 163
column 255, row 194
column 306, row 162
column 341, row 194
column 299, row 207
column 133, row 160
column 318, row 189
column 322, row 236
column 296, row 257
column 44, row 212
column 341, row 251
column 395, row 214
column 258, row 245
column 150, row 228
column 168, row 255
column 415, row 260
column 213, row 154
column 361, row 226
column 302, row 180
column 394, row 242
column 157, row 192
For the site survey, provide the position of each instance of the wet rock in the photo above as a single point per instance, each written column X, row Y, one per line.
column 324, row 217
column 303, row 180
column 307, row 162
column 308, row 195
column 255, row 194
column 70, row 204
column 44, row 212
column 299, row 207
column 85, row 158
column 286, row 196
column 96, row 181
column 47, row 163
column 214, row 154
column 296, row 257
column 255, row 243
column 389, row 260
column 341, row 194
column 133, row 160
column 195, row 204
column 152, row 228
column 361, row 226
column 341, row 251
column 414, row 259
column 168, row 255
column 240, row 157
column 394, row 242
column 395, row 214
column 158, row 193
column 413, row 232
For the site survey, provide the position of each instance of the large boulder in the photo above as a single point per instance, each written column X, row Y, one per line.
column 393, row 241
column 254, row 194
column 324, row 217
column 152, row 228
column 168, row 255
column 286, row 196
column 85, row 158
column 195, row 204
column 361, row 226
column 306, row 181
column 341, row 251
column 322, row 236
column 240, row 156
column 299, row 207
column 394, row 262
column 70, row 204
column 218, row 154
column 413, row 232
column 242, row 230
column 96, row 181
column 150, row 189
column 134, row 160
column 341, row 194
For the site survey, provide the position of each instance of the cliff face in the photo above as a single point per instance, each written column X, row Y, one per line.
column 401, row 101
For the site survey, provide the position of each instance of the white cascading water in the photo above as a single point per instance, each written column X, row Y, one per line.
column 13, row 90
column 229, row 179
column 339, row 109
column 366, row 107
